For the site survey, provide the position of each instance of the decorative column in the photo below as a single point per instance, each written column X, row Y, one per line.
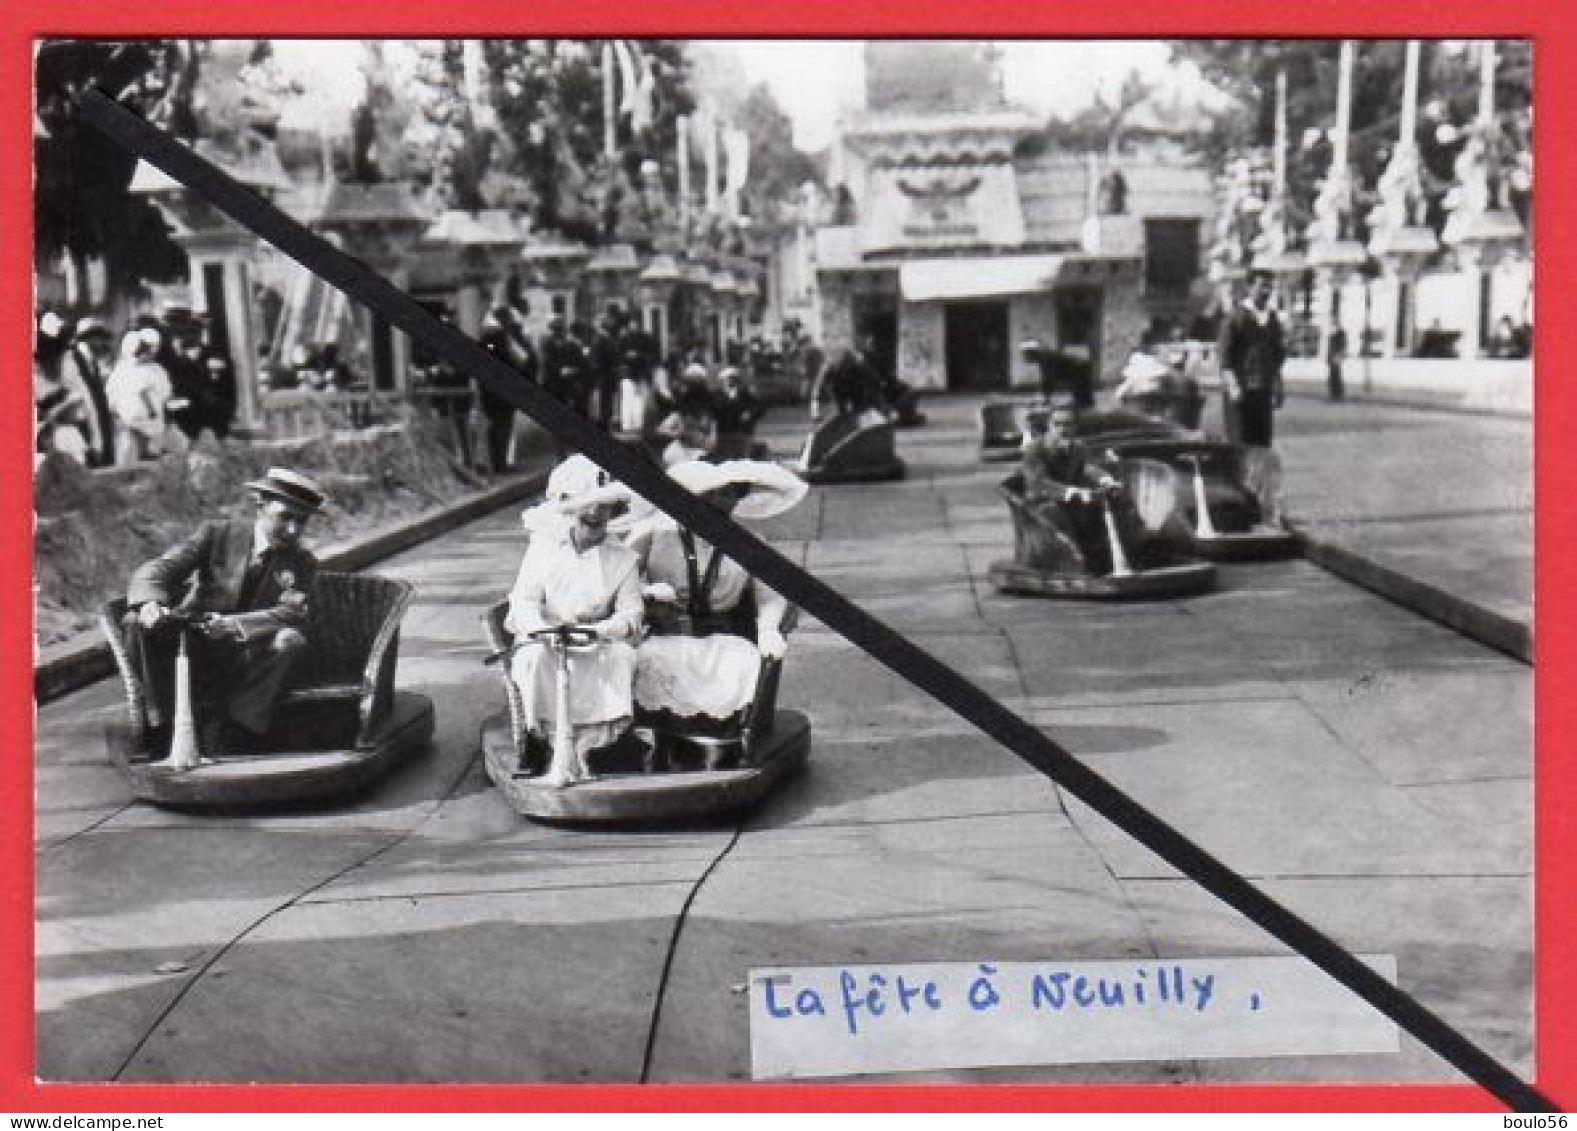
column 610, row 111
column 1090, row 235
column 220, row 256
column 1273, row 248
column 1241, row 190
column 1481, row 229
column 380, row 225
column 611, row 275
column 1334, row 253
column 555, row 268
column 1399, row 238
column 657, row 283
column 682, row 131
column 486, row 244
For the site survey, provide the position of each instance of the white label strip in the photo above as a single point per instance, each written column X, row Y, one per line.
column 848, row 1020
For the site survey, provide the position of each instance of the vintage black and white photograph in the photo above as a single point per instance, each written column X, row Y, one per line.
column 1174, row 397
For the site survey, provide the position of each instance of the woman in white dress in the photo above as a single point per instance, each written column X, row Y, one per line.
column 138, row 389
column 696, row 662
column 572, row 574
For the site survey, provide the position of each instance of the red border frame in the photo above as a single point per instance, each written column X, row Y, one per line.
column 1556, row 461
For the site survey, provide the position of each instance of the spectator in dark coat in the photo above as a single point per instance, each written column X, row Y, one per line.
column 1253, row 349
column 503, row 337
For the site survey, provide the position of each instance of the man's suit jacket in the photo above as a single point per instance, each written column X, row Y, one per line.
column 1059, row 469
column 208, row 571
column 1254, row 350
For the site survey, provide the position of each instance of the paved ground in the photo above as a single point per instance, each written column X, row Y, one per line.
column 1357, row 761
column 1429, row 505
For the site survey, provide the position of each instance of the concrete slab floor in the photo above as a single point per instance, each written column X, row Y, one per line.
column 1372, row 770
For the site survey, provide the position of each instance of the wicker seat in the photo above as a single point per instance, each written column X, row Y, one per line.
column 343, row 691
column 746, row 730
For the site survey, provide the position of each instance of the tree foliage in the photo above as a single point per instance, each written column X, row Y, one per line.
column 81, row 209
column 227, row 92
column 1102, row 125
column 1448, row 94
column 778, row 168
column 522, row 124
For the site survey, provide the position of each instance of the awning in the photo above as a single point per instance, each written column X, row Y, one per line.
column 930, row 280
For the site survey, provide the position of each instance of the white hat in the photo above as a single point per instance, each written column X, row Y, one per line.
column 1143, row 366
column 577, row 483
column 139, row 343
column 772, row 488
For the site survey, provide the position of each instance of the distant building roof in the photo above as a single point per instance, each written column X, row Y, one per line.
column 489, row 226
column 860, row 125
column 392, row 200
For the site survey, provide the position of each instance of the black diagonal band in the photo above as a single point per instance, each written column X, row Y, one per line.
column 831, row 608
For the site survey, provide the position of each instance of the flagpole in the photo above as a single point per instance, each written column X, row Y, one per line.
column 682, row 129
column 609, row 113
column 709, row 143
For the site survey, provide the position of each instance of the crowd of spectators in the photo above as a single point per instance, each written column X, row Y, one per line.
column 104, row 400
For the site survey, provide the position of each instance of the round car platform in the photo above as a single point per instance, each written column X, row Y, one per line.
column 656, row 798
column 1261, row 542
column 869, row 473
column 1163, row 581
column 286, row 778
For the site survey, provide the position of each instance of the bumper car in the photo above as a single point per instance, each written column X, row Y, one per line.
column 851, row 447
column 340, row 727
column 1004, row 422
column 1130, row 552
column 671, row 770
column 905, row 404
column 1226, row 494
column 1001, row 430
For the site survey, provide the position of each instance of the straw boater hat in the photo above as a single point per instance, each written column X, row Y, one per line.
column 290, row 487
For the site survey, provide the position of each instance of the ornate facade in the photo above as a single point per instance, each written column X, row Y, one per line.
column 960, row 248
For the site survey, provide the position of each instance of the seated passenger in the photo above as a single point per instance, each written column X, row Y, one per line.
column 572, row 574
column 1159, row 389
column 704, row 656
column 690, row 423
column 1069, row 492
column 851, row 382
column 736, row 411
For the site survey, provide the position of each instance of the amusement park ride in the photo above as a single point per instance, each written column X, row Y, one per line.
column 343, row 725
column 711, row 770
column 1200, row 496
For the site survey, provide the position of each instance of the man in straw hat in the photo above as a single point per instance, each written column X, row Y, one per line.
column 250, row 586
column 573, row 574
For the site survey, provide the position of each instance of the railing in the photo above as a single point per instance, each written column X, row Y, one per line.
column 300, row 414
column 296, row 415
